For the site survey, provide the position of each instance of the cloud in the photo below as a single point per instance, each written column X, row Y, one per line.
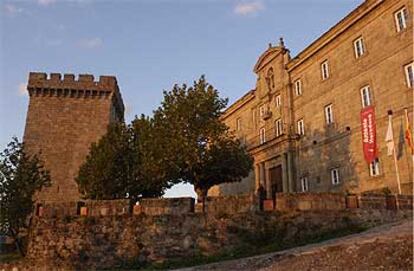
column 90, row 43
column 248, row 8
column 12, row 9
column 46, row 2
column 21, row 89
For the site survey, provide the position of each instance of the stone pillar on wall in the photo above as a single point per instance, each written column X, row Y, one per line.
column 285, row 173
column 268, row 182
column 262, row 174
column 256, row 177
column 290, row 172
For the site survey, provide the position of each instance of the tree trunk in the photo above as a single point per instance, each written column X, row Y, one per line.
column 201, row 197
column 17, row 242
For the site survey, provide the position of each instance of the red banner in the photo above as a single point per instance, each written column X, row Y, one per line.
column 369, row 140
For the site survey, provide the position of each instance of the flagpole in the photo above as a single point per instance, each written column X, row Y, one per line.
column 395, row 155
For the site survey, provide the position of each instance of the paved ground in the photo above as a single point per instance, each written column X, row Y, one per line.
column 388, row 247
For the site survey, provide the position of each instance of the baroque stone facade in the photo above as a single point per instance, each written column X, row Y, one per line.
column 64, row 117
column 302, row 121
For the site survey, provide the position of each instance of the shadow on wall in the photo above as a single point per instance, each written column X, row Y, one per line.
column 325, row 159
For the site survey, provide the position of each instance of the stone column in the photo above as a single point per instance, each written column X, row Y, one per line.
column 290, row 172
column 285, row 173
column 256, row 177
column 261, row 173
column 268, row 182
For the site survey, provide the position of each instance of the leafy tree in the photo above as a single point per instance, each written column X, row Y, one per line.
column 197, row 143
column 21, row 176
column 108, row 169
column 151, row 172
column 124, row 164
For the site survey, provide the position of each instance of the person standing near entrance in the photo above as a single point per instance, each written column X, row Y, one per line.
column 261, row 192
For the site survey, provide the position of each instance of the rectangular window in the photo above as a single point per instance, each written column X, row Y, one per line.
column 300, row 127
column 278, row 101
column 262, row 111
column 359, row 47
column 278, row 127
column 325, row 70
column 298, row 87
column 262, row 135
column 304, row 184
column 365, row 96
column 401, row 19
column 409, row 74
column 374, row 169
column 335, row 176
column 329, row 114
column 238, row 124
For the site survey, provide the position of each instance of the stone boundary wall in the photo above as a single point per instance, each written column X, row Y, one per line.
column 171, row 206
column 284, row 202
column 89, row 243
column 309, row 201
column 229, row 204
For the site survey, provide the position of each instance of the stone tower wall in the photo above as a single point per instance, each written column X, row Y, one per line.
column 64, row 117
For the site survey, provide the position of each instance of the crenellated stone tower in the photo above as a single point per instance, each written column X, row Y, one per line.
column 64, row 117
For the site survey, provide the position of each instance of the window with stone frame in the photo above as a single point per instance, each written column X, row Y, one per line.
column 329, row 118
column 374, row 168
column 300, row 126
column 366, row 96
column 359, row 47
column 409, row 74
column 262, row 135
column 278, row 101
column 401, row 17
column 298, row 87
column 304, row 184
column 278, row 127
column 325, row 70
column 335, row 176
column 238, row 124
column 262, row 111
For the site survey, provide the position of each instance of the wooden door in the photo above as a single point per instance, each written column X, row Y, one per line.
column 276, row 179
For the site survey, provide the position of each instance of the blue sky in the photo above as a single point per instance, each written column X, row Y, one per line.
column 149, row 45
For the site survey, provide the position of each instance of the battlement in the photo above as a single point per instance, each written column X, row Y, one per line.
column 84, row 81
column 41, row 84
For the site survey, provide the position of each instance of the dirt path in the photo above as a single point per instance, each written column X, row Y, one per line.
column 388, row 247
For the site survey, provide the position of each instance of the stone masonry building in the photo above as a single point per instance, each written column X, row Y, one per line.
column 64, row 117
column 302, row 122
